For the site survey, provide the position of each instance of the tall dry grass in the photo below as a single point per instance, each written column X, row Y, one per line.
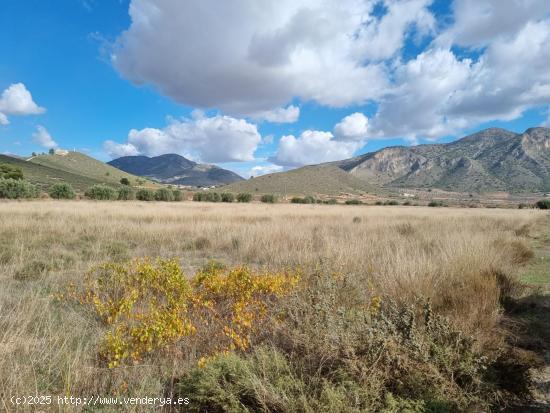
column 456, row 258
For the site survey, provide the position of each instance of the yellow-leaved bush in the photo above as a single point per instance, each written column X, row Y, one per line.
column 150, row 305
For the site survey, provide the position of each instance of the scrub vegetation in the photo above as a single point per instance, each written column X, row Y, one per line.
column 254, row 307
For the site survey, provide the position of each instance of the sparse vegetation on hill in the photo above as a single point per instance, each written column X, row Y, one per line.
column 320, row 179
column 80, row 171
column 10, row 172
column 79, row 164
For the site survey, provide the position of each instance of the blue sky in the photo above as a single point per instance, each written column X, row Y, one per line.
column 260, row 89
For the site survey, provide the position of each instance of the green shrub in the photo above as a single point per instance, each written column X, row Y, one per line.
column 391, row 202
column 213, row 197
column 62, row 191
column 414, row 364
column 305, row 200
column 408, row 350
column 124, row 181
column 16, row 188
column 330, row 201
column 436, row 204
column 543, row 204
column 145, row 195
column 207, row 196
column 10, row 172
column 102, row 193
column 178, row 195
column 164, row 194
column 353, row 202
column 125, row 194
column 227, row 197
column 244, row 197
column 269, row 199
column 378, row 203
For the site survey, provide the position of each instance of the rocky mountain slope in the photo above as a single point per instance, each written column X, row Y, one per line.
column 175, row 169
column 490, row 160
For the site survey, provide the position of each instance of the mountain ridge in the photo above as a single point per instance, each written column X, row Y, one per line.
column 490, row 160
column 175, row 169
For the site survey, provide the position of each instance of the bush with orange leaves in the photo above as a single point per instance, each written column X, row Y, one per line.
column 150, row 305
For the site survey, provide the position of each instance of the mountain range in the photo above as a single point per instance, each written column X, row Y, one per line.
column 488, row 161
column 492, row 160
column 175, row 169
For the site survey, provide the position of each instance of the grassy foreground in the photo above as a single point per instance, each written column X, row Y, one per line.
column 398, row 309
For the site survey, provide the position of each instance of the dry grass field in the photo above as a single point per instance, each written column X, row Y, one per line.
column 461, row 263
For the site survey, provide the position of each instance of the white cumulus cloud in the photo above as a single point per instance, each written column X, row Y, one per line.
column 17, row 100
column 259, row 170
column 264, row 54
column 353, row 127
column 206, row 139
column 43, row 138
column 290, row 114
column 404, row 60
column 478, row 23
column 438, row 93
column 312, row 147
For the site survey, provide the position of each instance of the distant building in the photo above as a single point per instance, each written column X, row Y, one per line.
column 62, row 152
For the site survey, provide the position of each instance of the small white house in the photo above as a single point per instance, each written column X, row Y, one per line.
column 62, row 152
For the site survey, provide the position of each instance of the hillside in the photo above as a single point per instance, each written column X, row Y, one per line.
column 319, row 179
column 79, row 170
column 80, row 164
column 44, row 176
column 175, row 169
column 490, row 160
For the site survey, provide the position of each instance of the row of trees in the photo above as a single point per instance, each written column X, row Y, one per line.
column 245, row 197
column 125, row 193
